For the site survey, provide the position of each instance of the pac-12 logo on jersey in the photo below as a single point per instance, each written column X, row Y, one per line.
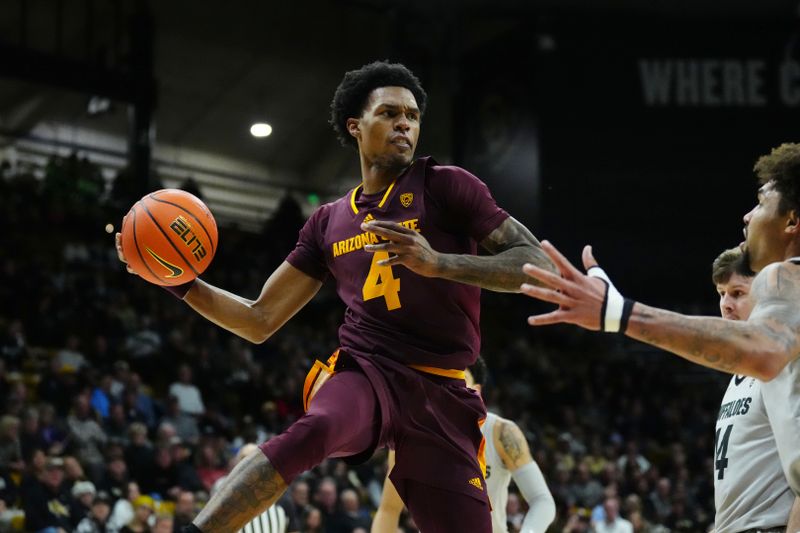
column 406, row 198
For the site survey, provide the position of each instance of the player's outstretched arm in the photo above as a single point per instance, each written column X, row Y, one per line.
column 513, row 449
column 511, row 245
column 387, row 517
column 285, row 292
column 759, row 347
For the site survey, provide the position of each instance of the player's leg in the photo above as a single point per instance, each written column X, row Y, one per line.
column 342, row 420
column 438, row 510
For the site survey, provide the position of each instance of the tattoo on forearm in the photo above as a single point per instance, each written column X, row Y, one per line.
column 252, row 487
column 511, row 246
column 762, row 345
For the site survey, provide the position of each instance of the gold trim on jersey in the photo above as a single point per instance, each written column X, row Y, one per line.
column 383, row 200
column 444, row 372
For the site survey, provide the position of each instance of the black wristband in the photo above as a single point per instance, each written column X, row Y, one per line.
column 191, row 528
column 179, row 291
column 627, row 310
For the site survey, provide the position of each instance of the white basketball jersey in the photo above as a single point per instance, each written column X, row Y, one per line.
column 498, row 477
column 750, row 489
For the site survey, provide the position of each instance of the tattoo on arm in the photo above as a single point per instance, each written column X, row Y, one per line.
column 759, row 347
column 514, row 447
column 511, row 245
column 251, row 487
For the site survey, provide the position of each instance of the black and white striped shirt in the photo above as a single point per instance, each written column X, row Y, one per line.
column 273, row 520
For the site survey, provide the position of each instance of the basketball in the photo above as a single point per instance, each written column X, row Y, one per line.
column 169, row 237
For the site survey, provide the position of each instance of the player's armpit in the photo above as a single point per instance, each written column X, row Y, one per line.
column 511, row 445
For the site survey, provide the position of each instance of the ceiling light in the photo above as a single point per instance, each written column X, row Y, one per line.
column 260, row 129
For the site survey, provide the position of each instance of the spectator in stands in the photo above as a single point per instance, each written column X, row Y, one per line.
column 139, row 455
column 612, row 522
column 10, row 448
column 87, row 438
column 53, row 430
column 97, row 519
column 185, row 510
column 83, row 494
column 70, row 357
column 164, row 524
column 101, row 397
column 186, row 426
column 143, row 509
column 123, row 511
column 44, row 500
column 350, row 516
column 189, row 398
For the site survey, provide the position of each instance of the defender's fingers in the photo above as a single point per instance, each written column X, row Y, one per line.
column 561, row 262
column 547, row 295
column 588, row 258
column 547, row 277
column 554, row 317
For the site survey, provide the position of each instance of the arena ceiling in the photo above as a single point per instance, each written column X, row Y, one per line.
column 218, row 69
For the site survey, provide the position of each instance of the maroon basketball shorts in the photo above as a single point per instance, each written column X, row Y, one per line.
column 432, row 422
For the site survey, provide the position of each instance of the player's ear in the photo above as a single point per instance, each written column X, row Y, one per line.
column 354, row 127
column 793, row 222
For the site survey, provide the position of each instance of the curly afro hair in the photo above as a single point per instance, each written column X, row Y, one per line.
column 352, row 93
column 782, row 168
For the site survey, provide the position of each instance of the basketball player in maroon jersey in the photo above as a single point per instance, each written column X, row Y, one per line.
column 402, row 248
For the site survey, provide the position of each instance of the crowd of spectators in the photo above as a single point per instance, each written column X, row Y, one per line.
column 121, row 408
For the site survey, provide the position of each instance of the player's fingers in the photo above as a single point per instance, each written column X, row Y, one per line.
column 391, row 234
column 561, row 262
column 588, row 258
column 547, row 295
column 555, row 317
column 547, row 277
column 386, row 224
column 393, row 260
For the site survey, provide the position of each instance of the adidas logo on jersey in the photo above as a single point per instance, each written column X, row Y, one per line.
column 476, row 482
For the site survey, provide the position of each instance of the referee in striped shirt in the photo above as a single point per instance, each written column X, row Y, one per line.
column 278, row 518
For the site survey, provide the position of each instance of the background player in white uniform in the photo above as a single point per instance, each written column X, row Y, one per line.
column 507, row 457
column 750, row 490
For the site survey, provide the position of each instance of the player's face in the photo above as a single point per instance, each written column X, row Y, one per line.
column 734, row 297
column 766, row 237
column 388, row 128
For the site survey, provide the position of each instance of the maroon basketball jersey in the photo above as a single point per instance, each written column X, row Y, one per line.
column 391, row 310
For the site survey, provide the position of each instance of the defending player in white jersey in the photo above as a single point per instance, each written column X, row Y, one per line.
column 507, row 457
column 750, row 491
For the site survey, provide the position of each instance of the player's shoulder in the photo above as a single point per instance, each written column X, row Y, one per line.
column 448, row 172
column 506, row 430
column 779, row 280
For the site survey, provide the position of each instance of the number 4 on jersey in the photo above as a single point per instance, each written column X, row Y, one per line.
column 721, row 447
column 381, row 282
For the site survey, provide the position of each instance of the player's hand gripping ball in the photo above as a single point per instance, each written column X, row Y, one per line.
column 169, row 237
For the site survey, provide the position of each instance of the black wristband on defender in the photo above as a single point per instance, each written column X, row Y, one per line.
column 627, row 310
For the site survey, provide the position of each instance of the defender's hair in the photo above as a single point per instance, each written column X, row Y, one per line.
column 782, row 168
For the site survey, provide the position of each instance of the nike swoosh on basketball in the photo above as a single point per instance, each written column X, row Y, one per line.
column 175, row 271
column 739, row 379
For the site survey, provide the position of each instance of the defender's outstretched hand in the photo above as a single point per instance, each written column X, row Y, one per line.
column 587, row 300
